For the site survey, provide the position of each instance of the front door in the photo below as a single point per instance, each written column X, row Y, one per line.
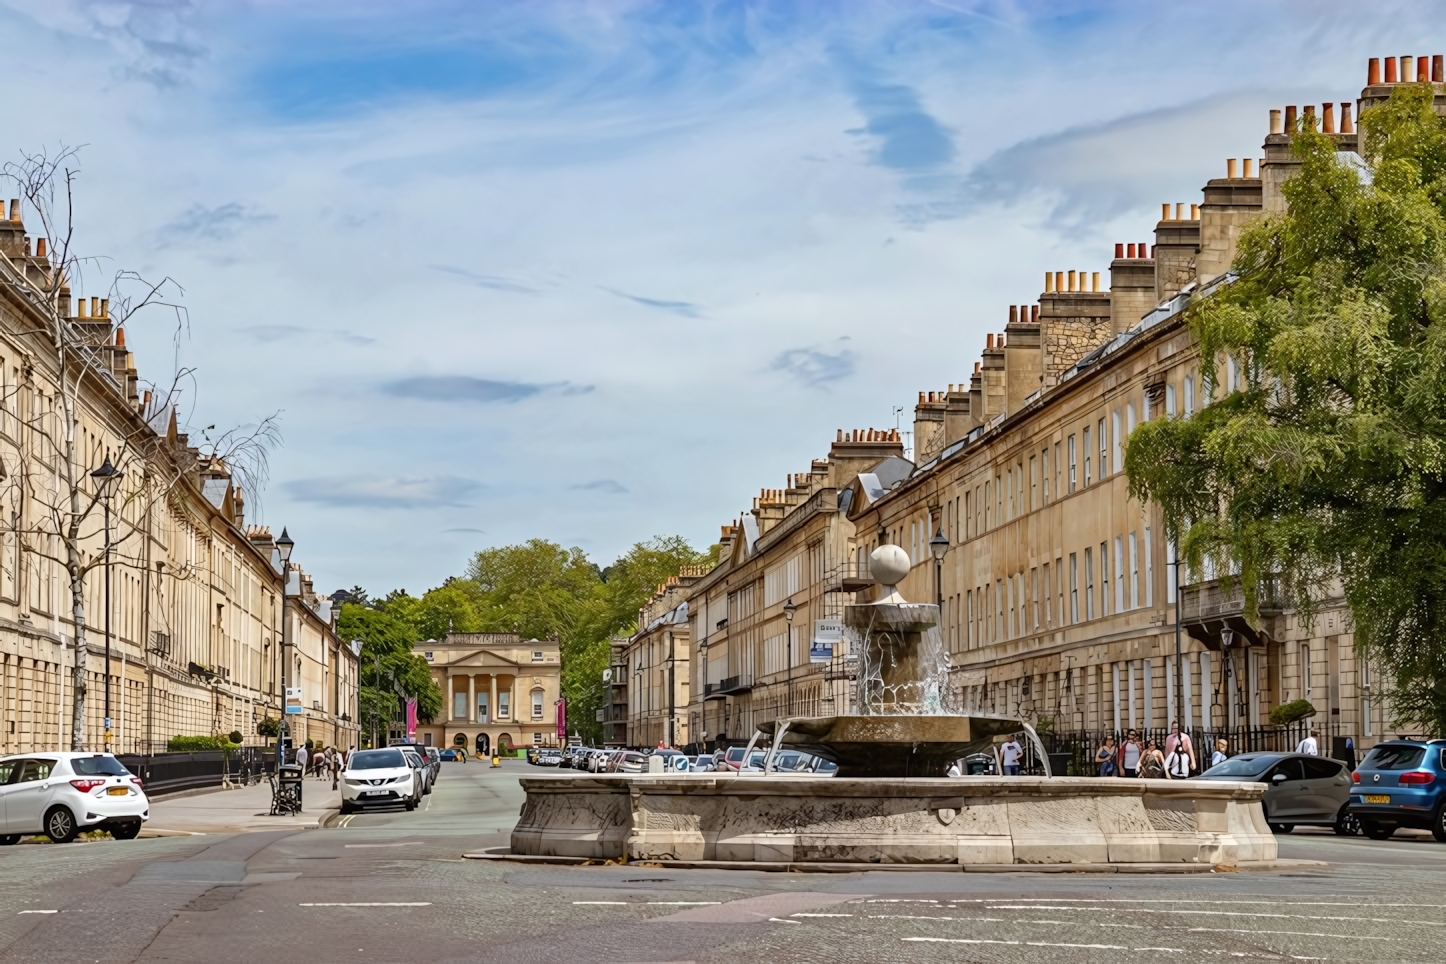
column 484, row 746
column 26, row 796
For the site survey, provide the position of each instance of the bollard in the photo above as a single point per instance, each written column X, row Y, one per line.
column 496, row 760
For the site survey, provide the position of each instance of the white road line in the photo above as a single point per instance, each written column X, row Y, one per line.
column 609, row 903
column 780, row 920
column 955, row 940
column 684, row 903
column 1229, row 930
column 820, row 915
column 1267, row 956
column 375, row 903
column 404, row 843
column 1222, row 913
column 899, row 900
column 1181, row 900
column 40, row 912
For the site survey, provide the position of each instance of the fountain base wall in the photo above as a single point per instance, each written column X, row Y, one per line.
column 968, row 820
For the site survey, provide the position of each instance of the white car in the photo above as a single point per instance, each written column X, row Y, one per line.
column 380, row 777
column 61, row 794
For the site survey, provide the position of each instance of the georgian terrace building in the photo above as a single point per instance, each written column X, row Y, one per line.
column 197, row 646
column 652, row 667
column 1059, row 592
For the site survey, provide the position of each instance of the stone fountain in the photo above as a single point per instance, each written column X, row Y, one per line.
column 906, row 729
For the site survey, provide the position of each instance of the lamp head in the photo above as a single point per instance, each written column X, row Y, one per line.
column 789, row 609
column 939, row 544
column 284, row 545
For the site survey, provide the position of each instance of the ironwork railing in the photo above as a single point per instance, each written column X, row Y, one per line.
column 1077, row 748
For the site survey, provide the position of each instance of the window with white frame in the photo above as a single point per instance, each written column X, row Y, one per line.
column 1119, row 569
column 1189, row 399
column 1119, row 440
column 1134, row 573
column 537, row 704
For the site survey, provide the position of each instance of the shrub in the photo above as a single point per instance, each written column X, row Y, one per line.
column 235, row 737
column 1292, row 711
column 196, row 744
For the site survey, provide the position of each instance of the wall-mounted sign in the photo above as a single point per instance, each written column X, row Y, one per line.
column 293, row 699
column 827, row 634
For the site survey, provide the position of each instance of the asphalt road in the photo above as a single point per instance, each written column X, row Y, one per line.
column 392, row 887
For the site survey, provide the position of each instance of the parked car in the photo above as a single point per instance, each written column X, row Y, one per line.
column 610, row 761
column 434, row 761
column 549, row 757
column 415, row 758
column 674, row 761
column 61, row 794
column 1401, row 783
column 732, row 758
column 381, row 777
column 1299, row 789
column 630, row 761
column 454, row 755
column 703, row 763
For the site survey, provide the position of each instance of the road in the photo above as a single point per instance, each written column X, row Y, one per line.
column 392, row 887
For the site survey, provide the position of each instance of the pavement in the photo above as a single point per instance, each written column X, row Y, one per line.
column 239, row 810
column 392, row 886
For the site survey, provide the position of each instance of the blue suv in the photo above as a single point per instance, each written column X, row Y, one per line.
column 1401, row 783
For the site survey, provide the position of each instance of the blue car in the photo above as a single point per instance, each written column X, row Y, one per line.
column 1401, row 783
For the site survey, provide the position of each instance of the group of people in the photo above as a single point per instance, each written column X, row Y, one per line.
column 329, row 761
column 1177, row 761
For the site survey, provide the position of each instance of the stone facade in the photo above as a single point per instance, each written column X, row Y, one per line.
column 498, row 690
column 654, row 666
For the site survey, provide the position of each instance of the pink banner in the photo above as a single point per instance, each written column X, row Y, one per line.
column 562, row 718
column 411, row 718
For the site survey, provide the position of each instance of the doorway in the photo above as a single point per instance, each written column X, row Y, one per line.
column 484, row 746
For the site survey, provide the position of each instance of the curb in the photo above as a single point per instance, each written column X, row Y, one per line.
column 780, row 866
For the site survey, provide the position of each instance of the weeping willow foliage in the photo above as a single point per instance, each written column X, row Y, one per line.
column 1325, row 466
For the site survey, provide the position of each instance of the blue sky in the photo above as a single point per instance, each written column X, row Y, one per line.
column 599, row 271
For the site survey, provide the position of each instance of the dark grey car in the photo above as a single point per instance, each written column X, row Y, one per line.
column 1299, row 789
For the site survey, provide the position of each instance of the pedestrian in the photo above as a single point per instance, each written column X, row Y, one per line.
column 301, row 757
column 1220, row 755
column 1310, row 744
column 336, row 770
column 1011, row 751
column 1130, row 754
column 1105, row 757
column 1178, row 763
column 1152, row 763
column 1176, row 738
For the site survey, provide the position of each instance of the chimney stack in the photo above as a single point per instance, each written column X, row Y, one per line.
column 1373, row 71
column 1328, row 118
column 1290, row 119
column 1390, row 70
column 1438, row 74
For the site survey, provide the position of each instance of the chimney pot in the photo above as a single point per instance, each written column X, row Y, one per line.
column 1373, row 71
column 1230, row 168
column 146, row 399
column 839, row 437
column 1248, row 164
column 921, row 394
column 83, row 310
column 1073, row 281
column 1164, row 210
column 1120, row 250
column 1034, row 314
column 1423, row 70
column 105, row 307
column 94, row 306
column 1290, row 118
column 1438, row 74
column 1048, row 281
column 120, row 337
column 976, row 368
column 40, row 247
column 1058, row 281
column 1194, row 212
column 989, row 340
column 1179, row 210
column 1328, row 118
column 1406, row 69
column 1390, row 70
column 999, row 339
column 1277, row 126
column 15, row 209
column 1013, row 314
column 1094, row 281
column 1307, row 123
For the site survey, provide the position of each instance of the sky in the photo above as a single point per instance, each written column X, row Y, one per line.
column 598, row 271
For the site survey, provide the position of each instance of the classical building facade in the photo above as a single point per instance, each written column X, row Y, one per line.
column 498, row 690
column 654, row 665
column 194, row 622
column 1060, row 597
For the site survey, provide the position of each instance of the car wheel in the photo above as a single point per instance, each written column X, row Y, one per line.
column 1438, row 823
column 1347, row 824
column 60, row 825
column 426, row 789
column 347, row 808
column 9, row 839
column 1281, row 827
column 1377, row 831
column 126, row 831
column 410, row 804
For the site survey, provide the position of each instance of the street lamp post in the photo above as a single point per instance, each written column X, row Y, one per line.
column 284, row 545
column 939, row 545
column 105, row 478
column 789, row 608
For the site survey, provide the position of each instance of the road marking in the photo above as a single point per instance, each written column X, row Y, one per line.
column 1115, row 947
column 780, row 920
column 1227, row 930
column 899, row 900
column 609, row 903
column 377, row 903
column 685, row 903
column 404, row 843
column 821, row 915
column 1221, row 913
column 1183, row 900
column 40, row 912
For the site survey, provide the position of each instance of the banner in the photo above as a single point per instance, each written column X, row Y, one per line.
column 411, row 719
column 827, row 633
column 561, row 718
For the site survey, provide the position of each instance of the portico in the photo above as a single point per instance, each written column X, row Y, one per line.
column 499, row 691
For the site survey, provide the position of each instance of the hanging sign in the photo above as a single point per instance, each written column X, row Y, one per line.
column 827, row 634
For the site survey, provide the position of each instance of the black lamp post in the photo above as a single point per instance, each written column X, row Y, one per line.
column 939, row 545
column 105, row 478
column 788, row 610
column 284, row 545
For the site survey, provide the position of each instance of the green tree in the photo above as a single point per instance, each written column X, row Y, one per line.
column 1325, row 468
column 390, row 671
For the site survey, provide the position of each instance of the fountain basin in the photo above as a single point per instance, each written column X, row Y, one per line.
column 961, row 820
column 891, row 746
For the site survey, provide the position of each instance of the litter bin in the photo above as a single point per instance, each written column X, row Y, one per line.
column 287, row 798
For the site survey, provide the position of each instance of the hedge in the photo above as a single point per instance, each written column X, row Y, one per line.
column 195, row 744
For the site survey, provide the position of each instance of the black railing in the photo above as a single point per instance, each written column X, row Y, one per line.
column 736, row 684
column 1076, row 749
column 164, row 773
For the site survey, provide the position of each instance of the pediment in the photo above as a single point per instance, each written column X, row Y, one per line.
column 482, row 658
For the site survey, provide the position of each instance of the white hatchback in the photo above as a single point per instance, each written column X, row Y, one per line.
column 61, row 794
column 380, row 777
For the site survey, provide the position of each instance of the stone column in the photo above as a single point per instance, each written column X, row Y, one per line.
column 451, row 697
column 492, row 698
column 471, row 698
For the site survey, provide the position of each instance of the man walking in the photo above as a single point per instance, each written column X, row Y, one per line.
column 1011, row 752
column 301, row 758
column 1176, row 739
column 1309, row 744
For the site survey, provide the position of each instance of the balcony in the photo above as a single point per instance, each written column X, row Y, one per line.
column 1207, row 609
column 711, row 691
column 734, row 684
column 848, row 577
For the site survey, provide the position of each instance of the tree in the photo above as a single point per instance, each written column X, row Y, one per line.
column 390, row 671
column 1325, row 467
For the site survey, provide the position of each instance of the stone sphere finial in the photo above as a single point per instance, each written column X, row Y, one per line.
column 889, row 565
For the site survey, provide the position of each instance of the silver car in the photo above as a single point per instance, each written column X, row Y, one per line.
column 1300, row 789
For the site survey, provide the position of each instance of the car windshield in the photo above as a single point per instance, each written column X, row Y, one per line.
column 98, row 766
column 1393, row 758
column 376, row 760
column 1241, row 766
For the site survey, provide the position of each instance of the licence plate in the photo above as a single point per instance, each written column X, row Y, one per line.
column 1377, row 798
column 117, row 791
column 374, row 793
